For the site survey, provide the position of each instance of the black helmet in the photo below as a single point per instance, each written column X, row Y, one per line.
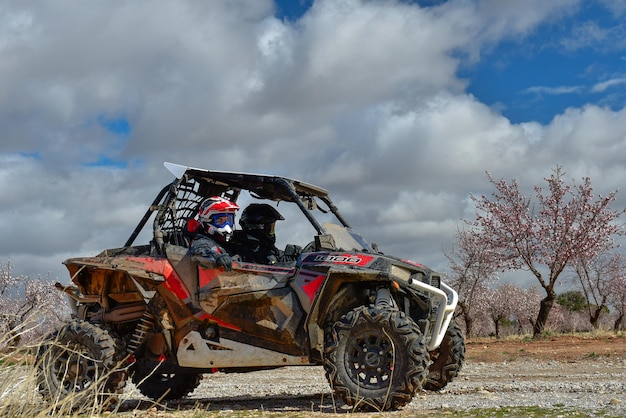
column 260, row 216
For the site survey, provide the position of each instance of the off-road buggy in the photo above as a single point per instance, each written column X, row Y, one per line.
column 380, row 326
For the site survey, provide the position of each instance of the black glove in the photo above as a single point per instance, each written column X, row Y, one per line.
column 225, row 261
column 292, row 251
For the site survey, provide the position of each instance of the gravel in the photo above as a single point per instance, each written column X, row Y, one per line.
column 595, row 387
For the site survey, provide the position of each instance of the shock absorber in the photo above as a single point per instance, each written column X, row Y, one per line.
column 384, row 298
column 144, row 325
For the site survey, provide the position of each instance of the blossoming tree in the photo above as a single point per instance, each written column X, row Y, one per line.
column 564, row 224
column 29, row 307
column 596, row 278
column 472, row 272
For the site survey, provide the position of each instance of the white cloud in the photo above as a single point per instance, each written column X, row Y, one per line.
column 585, row 35
column 617, row 7
column 554, row 90
column 603, row 86
column 360, row 97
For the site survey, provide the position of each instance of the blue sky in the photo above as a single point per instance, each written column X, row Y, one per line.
column 292, row 10
column 399, row 108
column 560, row 64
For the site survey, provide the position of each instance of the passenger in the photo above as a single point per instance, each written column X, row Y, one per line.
column 256, row 240
column 212, row 235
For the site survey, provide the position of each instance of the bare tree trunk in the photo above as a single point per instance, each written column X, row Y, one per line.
column 531, row 322
column 467, row 318
column 595, row 317
column 544, row 312
column 496, row 323
column 469, row 326
column 618, row 323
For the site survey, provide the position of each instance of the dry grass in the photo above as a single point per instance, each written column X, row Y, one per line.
column 18, row 390
column 19, row 386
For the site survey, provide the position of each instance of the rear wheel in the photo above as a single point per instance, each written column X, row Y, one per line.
column 163, row 381
column 75, row 367
column 375, row 358
column 447, row 359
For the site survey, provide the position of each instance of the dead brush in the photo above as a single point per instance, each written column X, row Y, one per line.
column 25, row 373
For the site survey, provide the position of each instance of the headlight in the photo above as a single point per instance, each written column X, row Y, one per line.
column 401, row 273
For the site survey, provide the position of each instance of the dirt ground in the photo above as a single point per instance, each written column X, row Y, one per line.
column 566, row 374
column 564, row 348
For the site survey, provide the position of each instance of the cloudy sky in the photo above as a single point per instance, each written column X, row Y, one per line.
column 397, row 107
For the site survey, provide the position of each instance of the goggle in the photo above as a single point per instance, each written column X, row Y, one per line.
column 220, row 220
column 267, row 228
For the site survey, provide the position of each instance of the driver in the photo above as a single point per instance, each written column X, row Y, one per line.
column 211, row 238
column 257, row 238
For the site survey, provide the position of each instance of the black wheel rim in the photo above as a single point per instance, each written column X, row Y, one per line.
column 164, row 377
column 369, row 359
column 74, row 368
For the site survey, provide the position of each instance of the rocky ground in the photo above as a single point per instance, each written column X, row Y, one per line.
column 564, row 375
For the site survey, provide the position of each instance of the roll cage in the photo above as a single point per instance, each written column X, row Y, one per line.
column 178, row 202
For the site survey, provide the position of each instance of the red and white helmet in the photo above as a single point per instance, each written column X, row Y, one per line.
column 218, row 215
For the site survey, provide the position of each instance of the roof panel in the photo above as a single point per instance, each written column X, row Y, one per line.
column 245, row 181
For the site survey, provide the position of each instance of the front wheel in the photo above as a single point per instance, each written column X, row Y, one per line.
column 76, row 367
column 447, row 359
column 375, row 358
